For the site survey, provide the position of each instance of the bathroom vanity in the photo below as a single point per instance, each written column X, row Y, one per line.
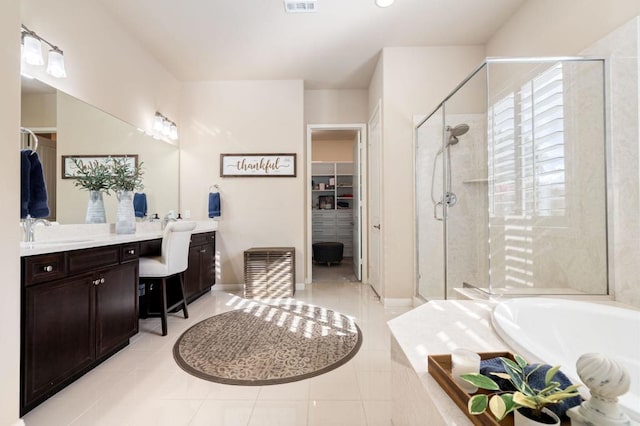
column 80, row 303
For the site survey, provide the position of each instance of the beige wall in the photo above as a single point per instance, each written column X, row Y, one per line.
column 9, row 176
column 38, row 110
column 244, row 117
column 559, row 27
column 105, row 66
column 336, row 150
column 414, row 82
column 335, row 106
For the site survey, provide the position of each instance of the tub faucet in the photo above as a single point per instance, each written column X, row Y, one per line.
column 28, row 225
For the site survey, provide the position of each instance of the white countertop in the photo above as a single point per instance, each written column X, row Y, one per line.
column 437, row 328
column 56, row 238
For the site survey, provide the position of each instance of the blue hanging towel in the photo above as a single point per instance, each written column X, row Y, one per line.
column 25, row 170
column 38, row 206
column 140, row 204
column 214, row 204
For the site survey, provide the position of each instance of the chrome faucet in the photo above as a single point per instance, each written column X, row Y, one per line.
column 28, row 225
column 168, row 218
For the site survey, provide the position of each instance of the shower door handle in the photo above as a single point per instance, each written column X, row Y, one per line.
column 435, row 211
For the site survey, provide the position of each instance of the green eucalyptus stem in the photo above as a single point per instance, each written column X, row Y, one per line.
column 92, row 176
column 124, row 177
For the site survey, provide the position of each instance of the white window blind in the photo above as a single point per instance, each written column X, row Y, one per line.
column 526, row 149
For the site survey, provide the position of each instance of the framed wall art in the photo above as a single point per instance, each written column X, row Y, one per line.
column 258, row 165
column 69, row 168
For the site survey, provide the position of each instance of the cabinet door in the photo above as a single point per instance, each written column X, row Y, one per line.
column 58, row 335
column 192, row 274
column 207, row 266
column 116, row 306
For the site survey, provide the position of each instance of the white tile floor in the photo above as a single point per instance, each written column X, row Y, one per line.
column 142, row 385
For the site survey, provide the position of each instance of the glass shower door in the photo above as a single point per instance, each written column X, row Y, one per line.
column 429, row 210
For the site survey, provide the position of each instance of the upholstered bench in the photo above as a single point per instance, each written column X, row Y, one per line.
column 328, row 252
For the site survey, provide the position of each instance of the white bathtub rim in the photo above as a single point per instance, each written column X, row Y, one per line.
column 506, row 329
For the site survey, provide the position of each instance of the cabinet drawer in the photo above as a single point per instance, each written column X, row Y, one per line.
column 89, row 259
column 198, row 239
column 150, row 247
column 129, row 252
column 323, row 215
column 46, row 267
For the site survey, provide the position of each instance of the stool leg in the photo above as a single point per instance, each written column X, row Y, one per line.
column 184, row 300
column 163, row 305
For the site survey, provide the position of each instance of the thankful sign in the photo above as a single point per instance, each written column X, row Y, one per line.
column 248, row 165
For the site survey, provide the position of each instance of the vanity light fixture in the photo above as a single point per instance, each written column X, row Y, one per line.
column 163, row 127
column 32, row 53
column 384, row 3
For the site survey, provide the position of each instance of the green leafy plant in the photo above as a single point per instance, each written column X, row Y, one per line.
column 125, row 177
column 92, row 176
column 526, row 395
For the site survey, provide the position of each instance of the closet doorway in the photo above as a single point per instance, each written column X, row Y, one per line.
column 335, row 200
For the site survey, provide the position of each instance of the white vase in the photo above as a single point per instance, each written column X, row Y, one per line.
column 125, row 215
column 520, row 419
column 95, row 208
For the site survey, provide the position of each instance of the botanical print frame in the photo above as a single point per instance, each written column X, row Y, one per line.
column 258, row 165
column 69, row 169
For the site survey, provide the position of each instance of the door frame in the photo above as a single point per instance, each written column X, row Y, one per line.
column 362, row 129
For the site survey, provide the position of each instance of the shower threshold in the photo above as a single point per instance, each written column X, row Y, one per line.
column 469, row 290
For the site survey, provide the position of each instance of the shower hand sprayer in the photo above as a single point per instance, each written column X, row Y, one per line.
column 448, row 198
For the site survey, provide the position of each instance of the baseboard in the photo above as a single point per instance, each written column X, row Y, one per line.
column 228, row 287
column 397, row 303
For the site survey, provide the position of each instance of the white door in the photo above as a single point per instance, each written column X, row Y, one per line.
column 357, row 208
column 375, row 178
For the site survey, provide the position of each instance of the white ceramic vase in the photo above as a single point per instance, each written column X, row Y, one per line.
column 95, row 208
column 125, row 215
column 522, row 420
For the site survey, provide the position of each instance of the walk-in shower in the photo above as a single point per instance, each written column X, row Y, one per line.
column 511, row 182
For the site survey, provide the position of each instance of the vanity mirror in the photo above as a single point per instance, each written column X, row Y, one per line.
column 67, row 126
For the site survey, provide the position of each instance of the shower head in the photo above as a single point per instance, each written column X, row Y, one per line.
column 454, row 132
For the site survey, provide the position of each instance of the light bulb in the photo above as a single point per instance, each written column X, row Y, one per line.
column 384, row 3
column 32, row 51
column 55, row 64
column 173, row 134
column 166, row 128
column 157, row 123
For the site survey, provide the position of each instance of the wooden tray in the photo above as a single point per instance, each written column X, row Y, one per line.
column 439, row 366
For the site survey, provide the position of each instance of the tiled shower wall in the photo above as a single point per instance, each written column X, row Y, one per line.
column 621, row 48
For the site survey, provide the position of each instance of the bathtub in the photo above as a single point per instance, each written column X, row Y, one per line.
column 558, row 331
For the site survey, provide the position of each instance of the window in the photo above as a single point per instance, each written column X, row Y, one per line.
column 526, row 149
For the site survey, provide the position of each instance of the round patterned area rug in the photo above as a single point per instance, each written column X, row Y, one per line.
column 265, row 345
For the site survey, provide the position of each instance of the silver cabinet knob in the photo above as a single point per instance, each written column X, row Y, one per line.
column 48, row 268
column 132, row 251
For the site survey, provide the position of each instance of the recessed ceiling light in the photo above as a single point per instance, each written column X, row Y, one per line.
column 384, row 3
column 300, row 6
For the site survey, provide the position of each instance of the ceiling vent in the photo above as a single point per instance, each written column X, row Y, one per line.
column 300, row 6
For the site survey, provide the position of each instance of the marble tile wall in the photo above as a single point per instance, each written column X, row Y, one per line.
column 621, row 49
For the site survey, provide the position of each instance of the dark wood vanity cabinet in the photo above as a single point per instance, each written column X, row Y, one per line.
column 86, row 311
column 200, row 275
